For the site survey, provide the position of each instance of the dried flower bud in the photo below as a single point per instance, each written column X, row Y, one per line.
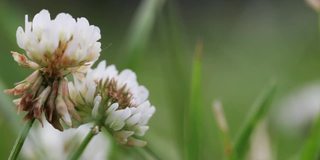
column 63, row 110
column 40, row 101
column 18, row 90
column 66, row 98
column 136, row 142
column 62, row 107
column 122, row 136
column 23, row 61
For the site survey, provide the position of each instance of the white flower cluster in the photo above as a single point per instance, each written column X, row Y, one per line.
column 126, row 110
column 61, row 46
column 64, row 41
column 54, row 49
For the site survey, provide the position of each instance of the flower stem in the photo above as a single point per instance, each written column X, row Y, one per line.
column 19, row 142
column 94, row 131
column 152, row 153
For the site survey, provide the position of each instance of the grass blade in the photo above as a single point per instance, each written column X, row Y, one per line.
column 193, row 113
column 141, row 27
column 176, row 76
column 311, row 148
column 259, row 110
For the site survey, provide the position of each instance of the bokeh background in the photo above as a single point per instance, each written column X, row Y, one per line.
column 246, row 44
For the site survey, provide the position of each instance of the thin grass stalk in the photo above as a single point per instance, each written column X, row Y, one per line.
column 20, row 141
column 169, row 32
column 311, row 147
column 140, row 29
column 193, row 120
column 258, row 111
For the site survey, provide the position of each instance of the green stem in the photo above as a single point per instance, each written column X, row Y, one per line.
column 152, row 153
column 84, row 143
column 19, row 142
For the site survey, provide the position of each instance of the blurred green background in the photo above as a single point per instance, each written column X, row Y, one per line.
column 246, row 43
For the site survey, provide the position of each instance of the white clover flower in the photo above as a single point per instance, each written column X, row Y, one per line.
column 55, row 145
column 60, row 43
column 54, row 48
column 116, row 99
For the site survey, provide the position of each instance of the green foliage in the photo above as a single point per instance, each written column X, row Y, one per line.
column 140, row 29
column 258, row 111
column 311, row 148
column 193, row 119
column 244, row 48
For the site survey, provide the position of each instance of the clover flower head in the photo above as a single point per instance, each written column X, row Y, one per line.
column 116, row 100
column 59, row 44
column 54, row 48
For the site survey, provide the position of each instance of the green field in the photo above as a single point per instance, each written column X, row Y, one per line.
column 246, row 46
